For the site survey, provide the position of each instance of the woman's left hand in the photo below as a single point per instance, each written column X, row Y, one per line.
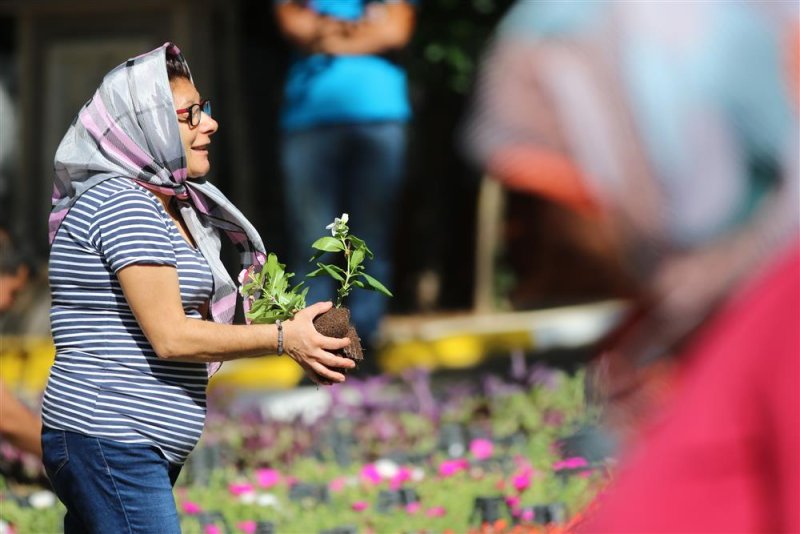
column 310, row 349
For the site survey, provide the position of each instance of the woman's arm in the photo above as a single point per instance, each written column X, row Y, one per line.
column 385, row 27
column 304, row 27
column 153, row 293
column 20, row 426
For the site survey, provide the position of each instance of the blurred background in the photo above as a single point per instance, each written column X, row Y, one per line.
column 483, row 402
column 463, row 244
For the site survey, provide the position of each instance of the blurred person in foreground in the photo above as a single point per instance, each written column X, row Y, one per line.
column 674, row 126
column 141, row 303
column 18, row 425
column 344, row 119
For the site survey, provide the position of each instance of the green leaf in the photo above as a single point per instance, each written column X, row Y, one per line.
column 272, row 266
column 360, row 244
column 328, row 244
column 357, row 257
column 331, row 270
column 375, row 285
column 315, row 273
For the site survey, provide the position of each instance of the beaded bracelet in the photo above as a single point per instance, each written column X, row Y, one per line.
column 280, row 336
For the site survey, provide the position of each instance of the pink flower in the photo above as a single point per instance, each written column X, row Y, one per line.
column 248, row 527
column 451, row 467
column 481, row 449
column 413, row 507
column 369, row 473
column 267, row 477
column 337, row 484
column 527, row 515
column 571, row 463
column 403, row 475
column 359, row 506
column 242, row 276
column 238, row 488
column 211, row 529
column 191, row 508
column 436, row 511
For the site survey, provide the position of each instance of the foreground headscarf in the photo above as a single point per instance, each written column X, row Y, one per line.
column 675, row 120
column 129, row 128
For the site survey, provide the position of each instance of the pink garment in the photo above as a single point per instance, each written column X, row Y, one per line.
column 724, row 456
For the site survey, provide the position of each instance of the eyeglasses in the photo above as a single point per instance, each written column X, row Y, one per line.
column 194, row 112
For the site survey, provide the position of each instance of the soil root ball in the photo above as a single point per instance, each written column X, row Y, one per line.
column 336, row 323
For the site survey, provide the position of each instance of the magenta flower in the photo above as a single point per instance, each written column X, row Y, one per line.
column 191, row 508
column 481, row 449
column 512, row 501
column 211, row 529
column 267, row 477
column 521, row 481
column 451, row 467
column 369, row 473
column 238, row 488
column 403, row 475
column 359, row 506
column 436, row 511
column 248, row 527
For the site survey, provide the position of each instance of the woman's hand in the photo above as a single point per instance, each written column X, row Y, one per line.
column 310, row 349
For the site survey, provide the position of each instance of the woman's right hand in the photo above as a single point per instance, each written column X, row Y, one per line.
column 310, row 349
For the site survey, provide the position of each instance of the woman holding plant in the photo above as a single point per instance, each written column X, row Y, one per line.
column 141, row 303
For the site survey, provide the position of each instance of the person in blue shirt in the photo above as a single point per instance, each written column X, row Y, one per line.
column 343, row 127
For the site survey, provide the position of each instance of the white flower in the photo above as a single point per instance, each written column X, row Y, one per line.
column 267, row 499
column 337, row 223
column 42, row 499
column 248, row 497
column 387, row 469
column 417, row 474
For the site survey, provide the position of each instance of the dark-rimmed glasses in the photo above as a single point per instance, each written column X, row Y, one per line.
column 194, row 112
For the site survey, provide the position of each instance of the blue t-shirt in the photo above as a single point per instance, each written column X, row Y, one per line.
column 322, row 89
column 107, row 381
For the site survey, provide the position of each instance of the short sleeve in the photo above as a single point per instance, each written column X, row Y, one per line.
column 129, row 228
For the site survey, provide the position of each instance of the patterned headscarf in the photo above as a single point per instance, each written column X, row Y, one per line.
column 129, row 128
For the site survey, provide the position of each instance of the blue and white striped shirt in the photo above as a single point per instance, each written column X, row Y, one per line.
column 107, row 381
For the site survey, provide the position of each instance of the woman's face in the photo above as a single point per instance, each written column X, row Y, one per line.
column 195, row 139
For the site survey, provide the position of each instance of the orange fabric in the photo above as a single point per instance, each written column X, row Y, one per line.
column 542, row 172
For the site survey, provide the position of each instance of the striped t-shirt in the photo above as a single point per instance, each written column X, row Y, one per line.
column 107, row 381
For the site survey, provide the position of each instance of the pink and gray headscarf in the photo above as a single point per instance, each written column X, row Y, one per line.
column 129, row 129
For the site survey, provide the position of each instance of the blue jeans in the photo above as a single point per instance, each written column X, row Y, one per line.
column 352, row 168
column 109, row 486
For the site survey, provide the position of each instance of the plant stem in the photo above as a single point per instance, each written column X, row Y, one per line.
column 345, row 289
